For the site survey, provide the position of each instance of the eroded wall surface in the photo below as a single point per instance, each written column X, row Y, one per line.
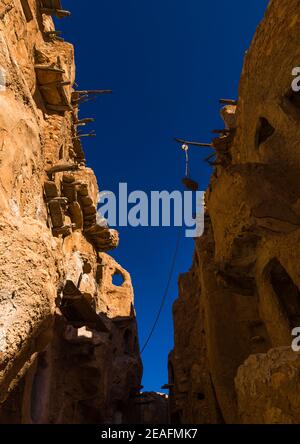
column 240, row 301
column 69, row 350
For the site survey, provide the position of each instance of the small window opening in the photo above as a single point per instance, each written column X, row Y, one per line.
column 118, row 278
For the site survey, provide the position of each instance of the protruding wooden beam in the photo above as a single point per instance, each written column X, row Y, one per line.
column 64, row 83
column 84, row 96
column 54, row 35
column 84, row 121
column 228, row 102
column 60, row 13
column 49, row 68
column 80, row 124
column 76, row 99
column 53, row 32
column 199, row 144
column 94, row 91
column 84, row 135
column 61, row 168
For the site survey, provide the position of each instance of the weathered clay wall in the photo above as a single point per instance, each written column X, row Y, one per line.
column 241, row 298
column 69, row 351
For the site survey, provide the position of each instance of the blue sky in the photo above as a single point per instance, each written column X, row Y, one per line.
column 168, row 63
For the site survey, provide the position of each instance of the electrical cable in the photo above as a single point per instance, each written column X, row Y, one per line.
column 162, row 304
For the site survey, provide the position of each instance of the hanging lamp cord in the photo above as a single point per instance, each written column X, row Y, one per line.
column 162, row 304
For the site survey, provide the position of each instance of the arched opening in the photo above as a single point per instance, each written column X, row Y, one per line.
column 117, row 278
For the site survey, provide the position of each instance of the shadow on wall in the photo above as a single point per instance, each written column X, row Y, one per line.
column 89, row 373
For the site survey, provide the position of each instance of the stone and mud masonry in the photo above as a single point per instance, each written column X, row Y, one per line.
column 69, row 349
column 233, row 360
